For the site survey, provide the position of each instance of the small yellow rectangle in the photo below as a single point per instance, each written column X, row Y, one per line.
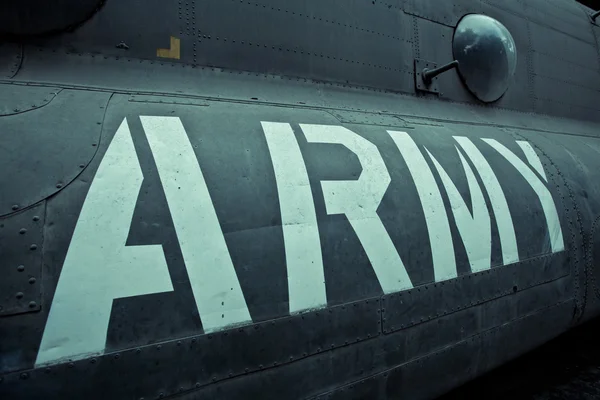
column 173, row 52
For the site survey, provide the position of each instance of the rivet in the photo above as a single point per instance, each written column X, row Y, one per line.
column 32, row 280
column 24, row 375
column 93, row 360
column 198, row 384
column 15, row 207
column 23, row 231
column 47, row 370
column 19, row 295
column 21, row 268
column 33, row 247
column 158, row 347
column 58, row 185
column 71, row 365
column 246, row 370
column 138, row 351
column 36, row 218
column 260, row 366
column 179, row 343
column 81, row 166
column 181, row 388
column 214, row 378
column 161, row 395
column 117, row 356
column 32, row 304
column 94, row 144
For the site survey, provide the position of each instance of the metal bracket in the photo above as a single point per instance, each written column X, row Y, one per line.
column 420, row 85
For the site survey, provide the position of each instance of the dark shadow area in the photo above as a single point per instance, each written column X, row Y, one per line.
column 593, row 4
column 567, row 367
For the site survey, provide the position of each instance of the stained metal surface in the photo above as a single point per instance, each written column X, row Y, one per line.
column 470, row 356
column 259, row 347
column 21, row 244
column 19, row 99
column 405, row 309
column 43, row 157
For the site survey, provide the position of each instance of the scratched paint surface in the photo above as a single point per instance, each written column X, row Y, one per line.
column 293, row 211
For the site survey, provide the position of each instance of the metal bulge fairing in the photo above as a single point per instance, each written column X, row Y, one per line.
column 486, row 55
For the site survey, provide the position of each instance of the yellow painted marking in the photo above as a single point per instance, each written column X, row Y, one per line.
column 173, row 52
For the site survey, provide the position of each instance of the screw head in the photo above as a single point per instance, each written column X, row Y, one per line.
column 32, row 280
column 21, row 268
column 32, row 304
column 19, row 295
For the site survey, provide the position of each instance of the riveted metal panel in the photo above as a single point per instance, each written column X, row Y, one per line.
column 513, row 7
column 41, row 154
column 520, row 94
column 564, row 17
column 380, row 18
column 405, row 309
column 198, row 361
column 364, row 118
column 306, row 39
column 141, row 27
column 559, row 70
column 443, row 12
column 181, row 101
column 560, row 7
column 575, row 100
column 563, row 47
column 11, row 57
column 466, row 359
column 21, row 241
column 593, row 261
column 17, row 99
column 436, row 334
column 303, row 43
